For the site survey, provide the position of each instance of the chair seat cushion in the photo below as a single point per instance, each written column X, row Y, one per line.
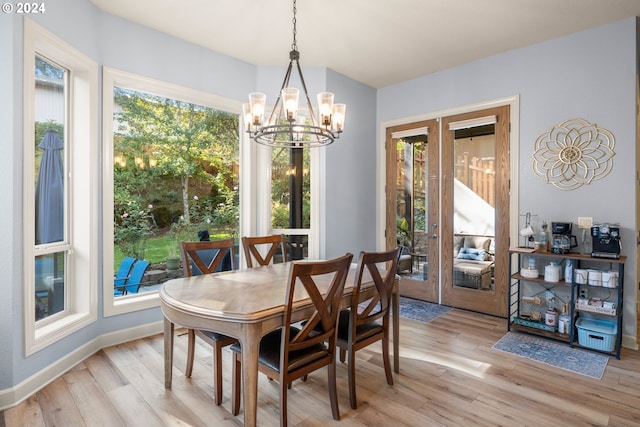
column 270, row 346
column 214, row 336
column 362, row 331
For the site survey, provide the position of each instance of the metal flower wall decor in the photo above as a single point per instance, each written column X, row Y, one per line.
column 573, row 154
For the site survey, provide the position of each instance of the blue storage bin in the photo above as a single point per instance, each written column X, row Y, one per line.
column 596, row 334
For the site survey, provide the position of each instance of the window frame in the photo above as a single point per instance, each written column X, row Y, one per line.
column 80, row 242
column 111, row 78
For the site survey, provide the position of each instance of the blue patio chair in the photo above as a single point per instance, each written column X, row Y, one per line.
column 133, row 282
column 123, row 271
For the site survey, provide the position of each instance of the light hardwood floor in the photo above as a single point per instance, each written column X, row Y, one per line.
column 449, row 375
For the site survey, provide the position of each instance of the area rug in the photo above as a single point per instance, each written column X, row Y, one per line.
column 421, row 311
column 560, row 355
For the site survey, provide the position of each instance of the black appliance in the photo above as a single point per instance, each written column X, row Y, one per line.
column 605, row 241
column 561, row 238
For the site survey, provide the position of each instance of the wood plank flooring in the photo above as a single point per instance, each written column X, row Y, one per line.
column 449, row 375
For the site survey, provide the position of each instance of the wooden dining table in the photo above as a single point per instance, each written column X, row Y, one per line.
column 247, row 304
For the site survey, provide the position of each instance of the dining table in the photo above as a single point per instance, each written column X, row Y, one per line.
column 247, row 304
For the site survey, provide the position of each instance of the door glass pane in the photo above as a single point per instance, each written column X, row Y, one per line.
column 411, row 207
column 474, row 207
column 50, row 194
column 175, row 178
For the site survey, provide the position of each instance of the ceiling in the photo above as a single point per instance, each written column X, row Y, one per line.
column 376, row 42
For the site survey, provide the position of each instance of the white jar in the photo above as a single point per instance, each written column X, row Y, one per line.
column 551, row 318
column 552, row 273
column 564, row 324
column 595, row 278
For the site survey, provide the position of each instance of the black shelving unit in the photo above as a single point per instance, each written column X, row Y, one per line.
column 580, row 261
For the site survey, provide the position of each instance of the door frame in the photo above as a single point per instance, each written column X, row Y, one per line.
column 514, row 159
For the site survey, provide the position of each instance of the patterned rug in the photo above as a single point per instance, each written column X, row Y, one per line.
column 421, row 311
column 555, row 354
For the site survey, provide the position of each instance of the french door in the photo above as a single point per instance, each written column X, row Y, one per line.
column 448, row 203
column 412, row 208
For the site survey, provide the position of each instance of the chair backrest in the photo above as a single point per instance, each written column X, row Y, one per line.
column 206, row 257
column 326, row 307
column 381, row 267
column 134, row 280
column 123, row 270
column 253, row 246
column 125, row 267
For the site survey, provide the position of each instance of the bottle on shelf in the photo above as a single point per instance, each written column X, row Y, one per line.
column 568, row 271
column 543, row 238
column 564, row 321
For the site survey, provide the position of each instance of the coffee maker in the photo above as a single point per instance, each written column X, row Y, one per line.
column 562, row 240
column 605, row 241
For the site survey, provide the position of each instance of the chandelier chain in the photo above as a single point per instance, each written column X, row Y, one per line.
column 294, row 45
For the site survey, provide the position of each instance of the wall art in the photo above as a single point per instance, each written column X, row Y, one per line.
column 573, row 153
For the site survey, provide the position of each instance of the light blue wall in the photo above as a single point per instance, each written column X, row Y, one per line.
column 589, row 75
column 351, row 172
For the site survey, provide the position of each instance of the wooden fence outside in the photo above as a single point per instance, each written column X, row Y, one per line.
column 478, row 174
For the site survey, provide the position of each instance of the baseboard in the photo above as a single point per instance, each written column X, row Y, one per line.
column 12, row 396
column 630, row 342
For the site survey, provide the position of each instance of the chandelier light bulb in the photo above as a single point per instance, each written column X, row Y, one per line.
column 290, row 101
column 325, row 105
column 338, row 115
column 246, row 115
column 257, row 102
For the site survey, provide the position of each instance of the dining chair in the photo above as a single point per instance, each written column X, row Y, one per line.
column 366, row 322
column 291, row 352
column 254, row 247
column 204, row 258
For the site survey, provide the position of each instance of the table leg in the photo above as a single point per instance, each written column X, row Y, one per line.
column 395, row 302
column 168, row 352
column 250, row 347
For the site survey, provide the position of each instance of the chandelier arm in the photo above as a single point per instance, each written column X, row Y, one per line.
column 285, row 83
column 306, row 94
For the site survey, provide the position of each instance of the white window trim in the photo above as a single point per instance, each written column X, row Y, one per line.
column 81, row 275
column 115, row 78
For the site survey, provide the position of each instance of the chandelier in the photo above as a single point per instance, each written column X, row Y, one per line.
column 286, row 126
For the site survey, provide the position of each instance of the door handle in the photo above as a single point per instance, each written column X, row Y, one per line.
column 434, row 236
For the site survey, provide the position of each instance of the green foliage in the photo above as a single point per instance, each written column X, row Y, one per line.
column 280, row 190
column 132, row 226
column 180, row 158
column 403, row 234
column 185, row 141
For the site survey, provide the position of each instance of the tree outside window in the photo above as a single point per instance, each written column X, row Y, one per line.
column 175, row 173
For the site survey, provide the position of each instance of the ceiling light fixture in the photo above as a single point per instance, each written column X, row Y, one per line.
column 286, row 126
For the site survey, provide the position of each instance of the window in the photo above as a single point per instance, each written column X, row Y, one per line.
column 171, row 173
column 291, row 198
column 60, row 274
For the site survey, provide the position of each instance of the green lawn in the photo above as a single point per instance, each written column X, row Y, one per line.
column 159, row 247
